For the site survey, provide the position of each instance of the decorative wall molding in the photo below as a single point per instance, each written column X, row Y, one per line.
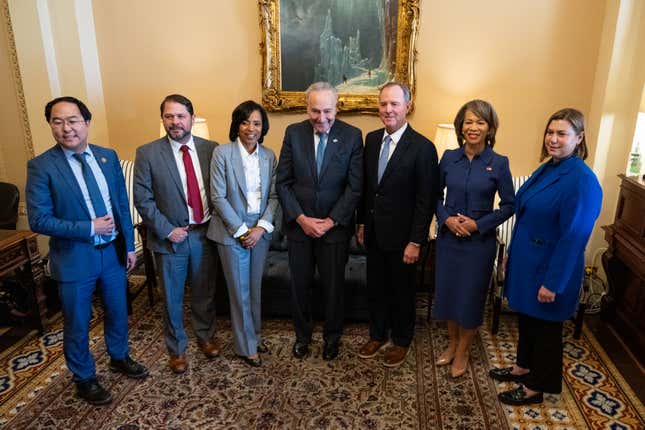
column 17, row 78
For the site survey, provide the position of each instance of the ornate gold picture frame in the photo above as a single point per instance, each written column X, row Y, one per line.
column 322, row 40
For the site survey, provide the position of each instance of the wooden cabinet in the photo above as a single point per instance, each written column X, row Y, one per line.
column 624, row 263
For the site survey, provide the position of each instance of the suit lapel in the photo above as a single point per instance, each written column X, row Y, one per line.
column 401, row 148
column 265, row 176
column 333, row 144
column 108, row 174
column 238, row 169
column 309, row 147
column 531, row 187
column 61, row 163
column 168, row 158
column 203, row 152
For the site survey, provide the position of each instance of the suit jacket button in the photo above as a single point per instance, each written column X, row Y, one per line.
column 371, row 211
column 376, row 195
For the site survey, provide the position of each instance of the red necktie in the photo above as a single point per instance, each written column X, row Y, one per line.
column 194, row 198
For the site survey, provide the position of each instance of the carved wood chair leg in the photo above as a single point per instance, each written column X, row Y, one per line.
column 497, row 310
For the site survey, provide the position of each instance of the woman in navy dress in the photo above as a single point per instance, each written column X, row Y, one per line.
column 556, row 211
column 470, row 176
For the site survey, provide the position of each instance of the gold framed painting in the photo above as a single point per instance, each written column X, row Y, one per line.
column 357, row 45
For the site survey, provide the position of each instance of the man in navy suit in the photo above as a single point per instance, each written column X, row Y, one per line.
column 399, row 198
column 76, row 195
column 319, row 179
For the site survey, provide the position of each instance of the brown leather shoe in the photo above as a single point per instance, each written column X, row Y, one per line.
column 395, row 356
column 371, row 348
column 178, row 363
column 210, row 349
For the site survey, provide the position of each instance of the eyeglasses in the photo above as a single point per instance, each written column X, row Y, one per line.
column 72, row 122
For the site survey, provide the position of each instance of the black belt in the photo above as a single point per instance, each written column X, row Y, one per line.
column 103, row 245
column 197, row 226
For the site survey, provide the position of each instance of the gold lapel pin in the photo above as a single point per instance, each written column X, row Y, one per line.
column 103, row 160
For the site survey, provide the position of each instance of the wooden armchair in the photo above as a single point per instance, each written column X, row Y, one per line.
column 143, row 253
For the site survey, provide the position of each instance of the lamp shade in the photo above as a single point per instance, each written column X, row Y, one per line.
column 445, row 138
column 200, row 129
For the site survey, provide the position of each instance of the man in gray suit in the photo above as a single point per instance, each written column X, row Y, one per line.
column 171, row 189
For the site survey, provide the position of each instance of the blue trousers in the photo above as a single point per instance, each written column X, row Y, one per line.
column 76, row 299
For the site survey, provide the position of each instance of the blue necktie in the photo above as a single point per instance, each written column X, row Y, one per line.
column 93, row 189
column 320, row 152
column 383, row 158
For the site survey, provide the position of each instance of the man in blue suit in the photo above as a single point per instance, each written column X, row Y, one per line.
column 76, row 195
column 319, row 180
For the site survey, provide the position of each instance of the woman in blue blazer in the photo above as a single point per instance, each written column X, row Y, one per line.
column 471, row 176
column 556, row 209
column 244, row 197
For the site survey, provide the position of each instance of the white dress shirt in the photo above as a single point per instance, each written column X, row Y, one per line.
column 251, row 164
column 179, row 159
column 396, row 136
column 77, row 169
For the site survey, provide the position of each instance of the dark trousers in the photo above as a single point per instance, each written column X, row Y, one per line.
column 330, row 258
column 539, row 349
column 391, row 296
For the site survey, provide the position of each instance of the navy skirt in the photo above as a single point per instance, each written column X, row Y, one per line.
column 463, row 269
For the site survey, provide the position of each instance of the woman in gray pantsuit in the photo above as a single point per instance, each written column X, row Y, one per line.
column 244, row 198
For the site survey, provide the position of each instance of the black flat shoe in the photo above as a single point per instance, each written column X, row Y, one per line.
column 129, row 368
column 253, row 362
column 93, row 392
column 330, row 351
column 503, row 374
column 263, row 348
column 300, row 349
column 517, row 397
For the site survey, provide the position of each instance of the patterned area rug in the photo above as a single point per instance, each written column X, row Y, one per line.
column 594, row 394
column 349, row 393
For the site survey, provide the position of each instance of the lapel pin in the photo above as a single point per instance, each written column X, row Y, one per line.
column 103, row 160
column 335, row 140
column 489, row 168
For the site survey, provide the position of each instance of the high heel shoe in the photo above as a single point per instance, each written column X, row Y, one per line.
column 456, row 372
column 446, row 357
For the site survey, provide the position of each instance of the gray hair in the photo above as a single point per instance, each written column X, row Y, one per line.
column 404, row 88
column 321, row 86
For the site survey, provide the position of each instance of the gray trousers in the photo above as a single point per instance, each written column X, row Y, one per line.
column 199, row 268
column 243, row 273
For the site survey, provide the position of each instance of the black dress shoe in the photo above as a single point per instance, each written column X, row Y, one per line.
column 503, row 374
column 253, row 362
column 330, row 351
column 300, row 349
column 92, row 392
column 129, row 368
column 518, row 397
column 263, row 348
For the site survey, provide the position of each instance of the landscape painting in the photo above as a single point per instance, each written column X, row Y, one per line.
column 357, row 45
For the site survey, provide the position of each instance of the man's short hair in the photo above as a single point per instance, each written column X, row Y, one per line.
column 404, row 88
column 321, row 86
column 85, row 112
column 178, row 98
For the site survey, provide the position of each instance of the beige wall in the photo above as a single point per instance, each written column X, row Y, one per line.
column 14, row 150
column 519, row 58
